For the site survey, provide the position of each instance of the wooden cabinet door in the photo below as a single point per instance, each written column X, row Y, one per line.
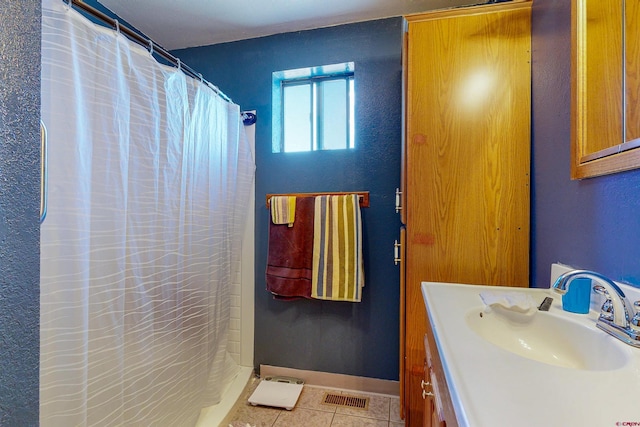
column 415, row 404
column 402, row 356
column 442, row 410
column 428, row 401
column 468, row 149
column 467, row 157
column 438, row 418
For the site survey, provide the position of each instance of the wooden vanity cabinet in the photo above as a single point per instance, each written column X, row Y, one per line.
column 442, row 413
column 466, row 161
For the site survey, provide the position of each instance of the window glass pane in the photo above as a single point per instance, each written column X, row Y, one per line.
column 334, row 114
column 297, row 117
column 313, row 108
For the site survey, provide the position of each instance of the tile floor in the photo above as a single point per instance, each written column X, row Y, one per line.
column 311, row 412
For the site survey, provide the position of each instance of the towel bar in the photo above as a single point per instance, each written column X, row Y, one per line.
column 363, row 196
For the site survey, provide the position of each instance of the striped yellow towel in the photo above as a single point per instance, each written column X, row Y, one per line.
column 283, row 209
column 337, row 249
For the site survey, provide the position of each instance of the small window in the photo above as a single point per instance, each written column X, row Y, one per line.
column 313, row 108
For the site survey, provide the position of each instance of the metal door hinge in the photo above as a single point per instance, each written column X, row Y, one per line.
column 398, row 204
column 396, row 252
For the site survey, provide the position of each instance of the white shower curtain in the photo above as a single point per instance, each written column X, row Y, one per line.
column 149, row 175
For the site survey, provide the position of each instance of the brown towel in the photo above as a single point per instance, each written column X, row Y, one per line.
column 290, row 254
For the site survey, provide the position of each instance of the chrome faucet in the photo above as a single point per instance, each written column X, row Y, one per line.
column 623, row 324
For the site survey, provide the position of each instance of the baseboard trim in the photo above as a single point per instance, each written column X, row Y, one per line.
column 340, row 381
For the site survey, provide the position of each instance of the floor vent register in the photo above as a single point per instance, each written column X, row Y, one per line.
column 346, row 400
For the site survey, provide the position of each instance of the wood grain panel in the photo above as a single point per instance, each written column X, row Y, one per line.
column 470, row 160
column 467, row 157
column 632, row 70
column 403, row 257
column 603, row 140
column 603, row 80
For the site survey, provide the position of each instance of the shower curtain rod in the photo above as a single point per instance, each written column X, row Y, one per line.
column 147, row 43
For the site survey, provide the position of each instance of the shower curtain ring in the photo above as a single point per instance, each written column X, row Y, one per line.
column 69, row 4
column 117, row 25
column 201, row 78
column 179, row 65
column 151, row 47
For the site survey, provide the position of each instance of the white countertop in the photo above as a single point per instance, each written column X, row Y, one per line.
column 492, row 387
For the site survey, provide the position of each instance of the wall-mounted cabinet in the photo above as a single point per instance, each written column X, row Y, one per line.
column 605, row 87
column 466, row 163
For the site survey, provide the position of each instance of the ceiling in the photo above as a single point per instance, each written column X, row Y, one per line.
column 176, row 24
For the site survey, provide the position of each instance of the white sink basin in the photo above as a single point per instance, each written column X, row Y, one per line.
column 505, row 369
column 547, row 338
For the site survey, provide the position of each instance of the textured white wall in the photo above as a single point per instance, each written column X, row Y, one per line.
column 242, row 291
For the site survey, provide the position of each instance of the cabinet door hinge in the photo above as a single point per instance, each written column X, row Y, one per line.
column 398, row 200
column 396, row 252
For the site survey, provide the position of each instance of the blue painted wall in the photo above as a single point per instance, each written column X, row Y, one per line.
column 356, row 339
column 590, row 224
column 593, row 223
column 19, row 212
